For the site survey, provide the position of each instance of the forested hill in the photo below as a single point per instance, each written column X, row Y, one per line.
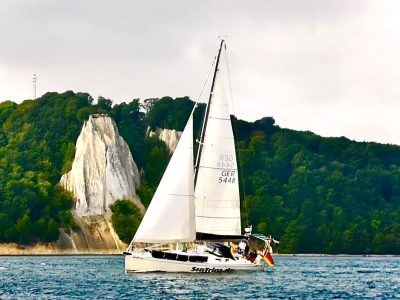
column 314, row 194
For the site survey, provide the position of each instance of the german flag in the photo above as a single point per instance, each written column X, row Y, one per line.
column 268, row 260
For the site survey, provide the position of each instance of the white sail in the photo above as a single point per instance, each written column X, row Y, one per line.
column 217, row 201
column 170, row 216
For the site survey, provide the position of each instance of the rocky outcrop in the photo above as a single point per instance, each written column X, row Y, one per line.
column 96, row 235
column 103, row 170
column 169, row 136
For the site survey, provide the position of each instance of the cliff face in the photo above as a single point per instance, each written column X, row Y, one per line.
column 96, row 235
column 169, row 136
column 103, row 170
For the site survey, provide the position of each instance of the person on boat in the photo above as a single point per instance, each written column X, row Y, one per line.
column 183, row 247
column 252, row 255
column 242, row 248
column 234, row 249
column 247, row 249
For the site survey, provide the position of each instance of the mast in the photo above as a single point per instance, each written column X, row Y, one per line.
column 203, row 130
column 217, row 199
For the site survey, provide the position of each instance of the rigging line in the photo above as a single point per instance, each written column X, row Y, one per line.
column 198, row 134
column 205, row 82
column 229, row 80
column 203, row 129
column 201, row 93
column 203, row 88
column 239, row 165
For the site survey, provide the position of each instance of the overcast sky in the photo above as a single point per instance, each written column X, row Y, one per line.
column 331, row 67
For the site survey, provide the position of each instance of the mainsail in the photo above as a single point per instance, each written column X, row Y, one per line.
column 170, row 216
column 217, row 200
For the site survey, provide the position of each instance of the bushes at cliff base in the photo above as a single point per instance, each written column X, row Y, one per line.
column 125, row 219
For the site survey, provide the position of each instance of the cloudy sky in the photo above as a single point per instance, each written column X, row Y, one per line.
column 331, row 67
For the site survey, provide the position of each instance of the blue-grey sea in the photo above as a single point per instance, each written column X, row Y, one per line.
column 103, row 277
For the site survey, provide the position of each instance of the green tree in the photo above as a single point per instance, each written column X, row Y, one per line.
column 125, row 219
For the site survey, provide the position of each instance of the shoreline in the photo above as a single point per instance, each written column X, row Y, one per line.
column 52, row 249
column 334, row 255
column 105, row 253
column 61, row 254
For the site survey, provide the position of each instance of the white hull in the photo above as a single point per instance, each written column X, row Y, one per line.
column 144, row 262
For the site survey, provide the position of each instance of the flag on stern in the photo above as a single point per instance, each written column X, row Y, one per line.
column 267, row 257
column 268, row 260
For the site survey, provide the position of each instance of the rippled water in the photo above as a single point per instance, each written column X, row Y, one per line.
column 72, row 277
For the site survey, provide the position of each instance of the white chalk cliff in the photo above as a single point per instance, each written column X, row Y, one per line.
column 103, row 170
column 168, row 136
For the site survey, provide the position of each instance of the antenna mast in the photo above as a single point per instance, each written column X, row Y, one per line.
column 34, row 85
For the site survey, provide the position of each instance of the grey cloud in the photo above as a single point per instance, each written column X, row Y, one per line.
column 307, row 63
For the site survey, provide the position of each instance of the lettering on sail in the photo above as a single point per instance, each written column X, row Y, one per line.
column 226, row 161
column 227, row 176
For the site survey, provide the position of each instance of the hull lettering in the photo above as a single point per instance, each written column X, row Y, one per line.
column 208, row 270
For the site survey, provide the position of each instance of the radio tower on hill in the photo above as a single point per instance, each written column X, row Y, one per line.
column 34, row 85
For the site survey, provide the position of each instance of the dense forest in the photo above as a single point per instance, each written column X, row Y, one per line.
column 314, row 194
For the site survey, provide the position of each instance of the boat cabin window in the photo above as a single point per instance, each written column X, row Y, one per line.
column 179, row 257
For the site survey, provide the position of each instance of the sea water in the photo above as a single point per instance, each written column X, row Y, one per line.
column 99, row 277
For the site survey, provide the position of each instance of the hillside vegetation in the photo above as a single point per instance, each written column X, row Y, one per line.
column 314, row 194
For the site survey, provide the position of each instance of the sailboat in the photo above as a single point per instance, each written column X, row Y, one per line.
column 193, row 222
